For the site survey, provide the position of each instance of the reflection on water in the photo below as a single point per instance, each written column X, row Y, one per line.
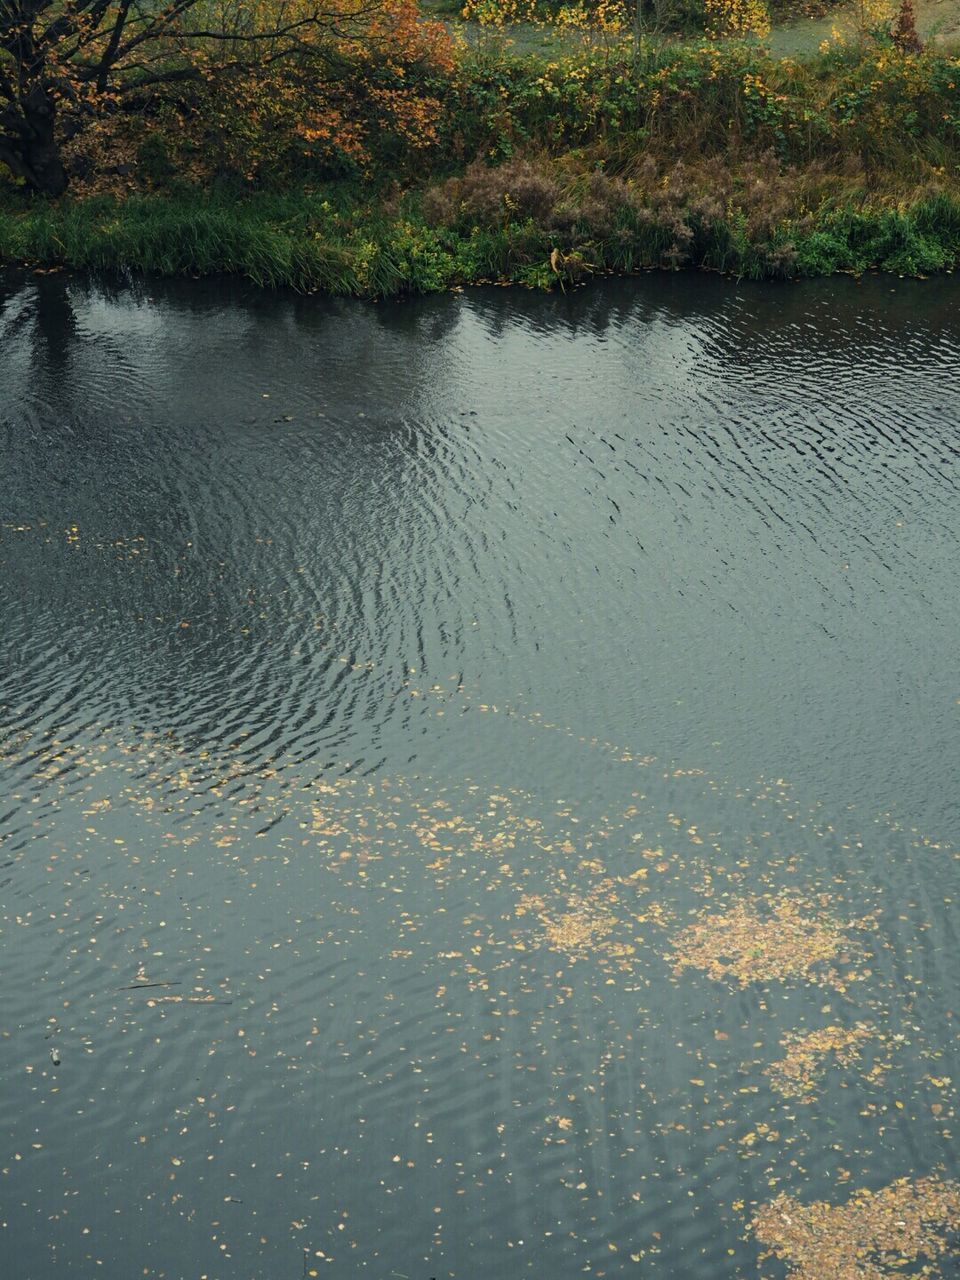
column 480, row 789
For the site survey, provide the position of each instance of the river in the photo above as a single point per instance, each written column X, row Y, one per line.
column 480, row 781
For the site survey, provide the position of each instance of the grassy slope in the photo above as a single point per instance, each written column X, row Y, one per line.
column 938, row 22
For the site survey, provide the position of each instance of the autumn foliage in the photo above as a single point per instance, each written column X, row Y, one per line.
column 253, row 84
column 737, row 18
column 372, row 91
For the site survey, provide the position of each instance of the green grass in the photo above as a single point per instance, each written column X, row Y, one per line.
column 304, row 242
column 270, row 240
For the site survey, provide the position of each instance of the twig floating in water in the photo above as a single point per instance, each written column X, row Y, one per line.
column 139, row 986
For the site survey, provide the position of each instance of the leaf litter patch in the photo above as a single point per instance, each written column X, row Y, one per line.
column 902, row 1229
column 808, row 1054
column 770, row 940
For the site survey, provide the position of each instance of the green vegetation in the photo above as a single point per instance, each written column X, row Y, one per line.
column 301, row 242
column 522, row 168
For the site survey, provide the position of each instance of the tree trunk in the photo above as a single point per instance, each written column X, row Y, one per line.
column 31, row 148
column 44, row 170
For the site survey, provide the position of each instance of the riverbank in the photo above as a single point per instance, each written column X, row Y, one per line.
column 714, row 156
column 296, row 241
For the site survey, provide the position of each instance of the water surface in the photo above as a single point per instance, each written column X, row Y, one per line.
column 423, row 693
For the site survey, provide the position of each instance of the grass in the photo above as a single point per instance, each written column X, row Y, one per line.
column 268, row 239
column 297, row 241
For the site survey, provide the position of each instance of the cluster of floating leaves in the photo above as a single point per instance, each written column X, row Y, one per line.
column 795, row 1075
column 583, row 925
column 873, row 1235
column 768, row 941
column 591, row 913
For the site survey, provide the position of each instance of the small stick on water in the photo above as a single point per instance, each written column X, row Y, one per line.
column 139, row 986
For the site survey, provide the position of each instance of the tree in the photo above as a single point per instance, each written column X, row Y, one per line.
column 62, row 60
column 904, row 32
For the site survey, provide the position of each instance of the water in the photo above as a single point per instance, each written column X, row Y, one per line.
column 511, row 726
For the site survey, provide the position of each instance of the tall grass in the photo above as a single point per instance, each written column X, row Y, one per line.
column 282, row 242
column 270, row 240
